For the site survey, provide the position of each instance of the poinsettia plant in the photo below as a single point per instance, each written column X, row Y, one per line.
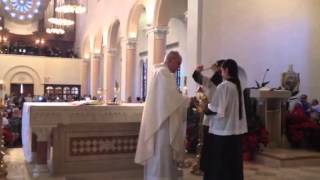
column 257, row 135
column 253, row 141
column 301, row 131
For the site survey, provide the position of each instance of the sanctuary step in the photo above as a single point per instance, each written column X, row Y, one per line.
column 280, row 157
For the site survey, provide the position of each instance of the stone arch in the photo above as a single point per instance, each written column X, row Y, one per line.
column 113, row 35
column 98, row 42
column 26, row 70
column 85, row 52
column 22, row 77
column 113, row 59
column 167, row 9
column 134, row 17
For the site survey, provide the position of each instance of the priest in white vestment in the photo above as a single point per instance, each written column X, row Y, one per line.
column 162, row 131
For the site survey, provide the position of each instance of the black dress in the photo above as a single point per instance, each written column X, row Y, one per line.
column 224, row 150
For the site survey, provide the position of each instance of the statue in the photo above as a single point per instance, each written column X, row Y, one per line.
column 116, row 92
column 290, row 81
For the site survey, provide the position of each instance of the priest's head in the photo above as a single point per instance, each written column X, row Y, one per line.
column 173, row 61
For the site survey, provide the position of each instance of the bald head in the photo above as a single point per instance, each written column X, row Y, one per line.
column 173, row 61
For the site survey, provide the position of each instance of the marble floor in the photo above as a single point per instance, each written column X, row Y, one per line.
column 17, row 170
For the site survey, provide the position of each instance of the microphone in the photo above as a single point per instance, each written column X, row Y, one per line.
column 264, row 75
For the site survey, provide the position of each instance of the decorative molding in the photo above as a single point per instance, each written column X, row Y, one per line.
column 159, row 32
column 97, row 56
column 111, row 51
column 51, row 116
column 95, row 147
column 172, row 45
column 101, row 145
column 131, row 43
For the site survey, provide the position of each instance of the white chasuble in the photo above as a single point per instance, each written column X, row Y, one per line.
column 163, row 123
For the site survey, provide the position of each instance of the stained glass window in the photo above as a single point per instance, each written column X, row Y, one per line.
column 144, row 75
column 178, row 78
column 21, row 9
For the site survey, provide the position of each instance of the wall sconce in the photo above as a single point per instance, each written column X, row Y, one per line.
column 40, row 41
column 3, row 39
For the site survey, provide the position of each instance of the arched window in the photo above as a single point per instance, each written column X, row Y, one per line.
column 58, row 90
column 49, row 90
column 61, row 91
column 66, row 92
column 75, row 91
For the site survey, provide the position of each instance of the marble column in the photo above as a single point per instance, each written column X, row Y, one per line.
column 130, row 65
column 94, row 74
column 194, row 44
column 157, row 37
column 84, row 76
column 43, row 135
column 110, row 54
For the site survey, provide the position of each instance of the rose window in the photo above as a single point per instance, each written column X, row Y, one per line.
column 21, row 9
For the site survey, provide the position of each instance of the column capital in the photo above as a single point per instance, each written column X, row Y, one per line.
column 131, row 43
column 111, row 51
column 43, row 133
column 159, row 32
column 97, row 56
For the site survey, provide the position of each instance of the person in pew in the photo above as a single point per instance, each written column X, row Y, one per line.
column 161, row 138
column 209, row 86
column 303, row 101
column 227, row 126
column 315, row 110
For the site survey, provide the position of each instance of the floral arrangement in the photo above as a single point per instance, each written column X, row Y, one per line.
column 257, row 135
column 301, row 131
column 253, row 141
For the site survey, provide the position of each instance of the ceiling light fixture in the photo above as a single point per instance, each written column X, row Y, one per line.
column 71, row 6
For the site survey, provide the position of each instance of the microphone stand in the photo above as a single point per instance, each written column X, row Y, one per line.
column 264, row 76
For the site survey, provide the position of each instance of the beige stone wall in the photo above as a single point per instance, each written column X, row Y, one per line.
column 259, row 34
column 39, row 70
column 265, row 34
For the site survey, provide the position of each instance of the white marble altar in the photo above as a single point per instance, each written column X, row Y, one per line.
column 42, row 119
